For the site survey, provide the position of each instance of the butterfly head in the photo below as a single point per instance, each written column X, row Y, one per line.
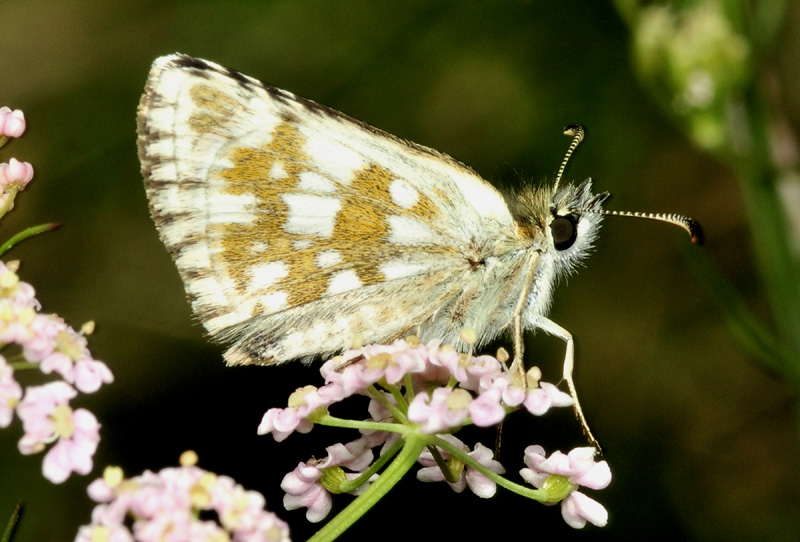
column 563, row 221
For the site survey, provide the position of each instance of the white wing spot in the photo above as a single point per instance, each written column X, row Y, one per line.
column 398, row 270
column 274, row 301
column 259, row 247
column 335, row 160
column 310, row 215
column 314, row 182
column 276, row 172
column 264, row 275
column 403, row 194
column 328, row 258
column 409, row 231
column 483, row 197
column 301, row 244
column 344, row 281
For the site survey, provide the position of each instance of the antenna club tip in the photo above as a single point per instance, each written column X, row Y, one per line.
column 573, row 129
column 696, row 231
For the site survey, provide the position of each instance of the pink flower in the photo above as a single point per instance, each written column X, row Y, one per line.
column 480, row 367
column 114, row 533
column 539, row 400
column 12, row 123
column 441, row 361
column 36, row 412
column 487, row 410
column 580, row 469
column 468, row 477
column 419, row 395
column 510, row 394
column 444, row 409
column 10, row 393
column 303, row 490
column 448, row 358
column 355, row 370
column 179, row 504
column 15, row 323
column 42, row 332
column 73, row 453
column 69, row 357
column 46, row 416
column 18, row 293
column 308, row 485
column 282, row 422
column 16, row 172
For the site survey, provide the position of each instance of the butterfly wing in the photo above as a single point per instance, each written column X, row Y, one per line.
column 294, row 227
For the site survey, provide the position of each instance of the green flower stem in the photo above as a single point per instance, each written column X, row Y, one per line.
column 397, row 414
column 11, row 190
column 776, row 264
column 399, row 397
column 449, row 475
column 333, row 421
column 24, row 234
column 355, row 483
column 413, row 445
column 22, row 365
column 409, row 385
column 535, row 494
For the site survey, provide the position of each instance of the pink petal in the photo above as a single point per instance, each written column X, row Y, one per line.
column 317, row 500
column 577, row 509
column 480, row 485
column 486, row 410
column 16, row 172
column 12, row 123
column 57, row 463
column 598, row 477
column 557, row 397
column 90, row 374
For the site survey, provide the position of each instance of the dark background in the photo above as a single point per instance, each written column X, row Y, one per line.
column 702, row 442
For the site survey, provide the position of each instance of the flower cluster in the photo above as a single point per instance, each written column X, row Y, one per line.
column 14, row 175
column 419, row 395
column 46, row 342
column 30, row 339
column 183, row 503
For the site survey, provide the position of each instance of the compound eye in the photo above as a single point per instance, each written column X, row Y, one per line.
column 565, row 231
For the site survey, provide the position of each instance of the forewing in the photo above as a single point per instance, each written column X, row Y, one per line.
column 294, row 226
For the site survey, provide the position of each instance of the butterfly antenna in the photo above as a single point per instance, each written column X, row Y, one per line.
column 576, row 132
column 691, row 226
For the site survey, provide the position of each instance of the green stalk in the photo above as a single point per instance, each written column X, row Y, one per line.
column 12, row 523
column 414, row 444
column 28, row 232
column 525, row 491
column 354, row 484
column 774, row 260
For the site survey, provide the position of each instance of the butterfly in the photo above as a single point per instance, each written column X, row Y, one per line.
column 296, row 228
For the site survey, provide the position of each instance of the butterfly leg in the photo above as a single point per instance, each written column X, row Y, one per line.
column 517, row 366
column 517, row 329
column 550, row 327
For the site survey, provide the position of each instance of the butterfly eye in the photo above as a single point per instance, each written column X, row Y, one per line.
column 564, row 230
